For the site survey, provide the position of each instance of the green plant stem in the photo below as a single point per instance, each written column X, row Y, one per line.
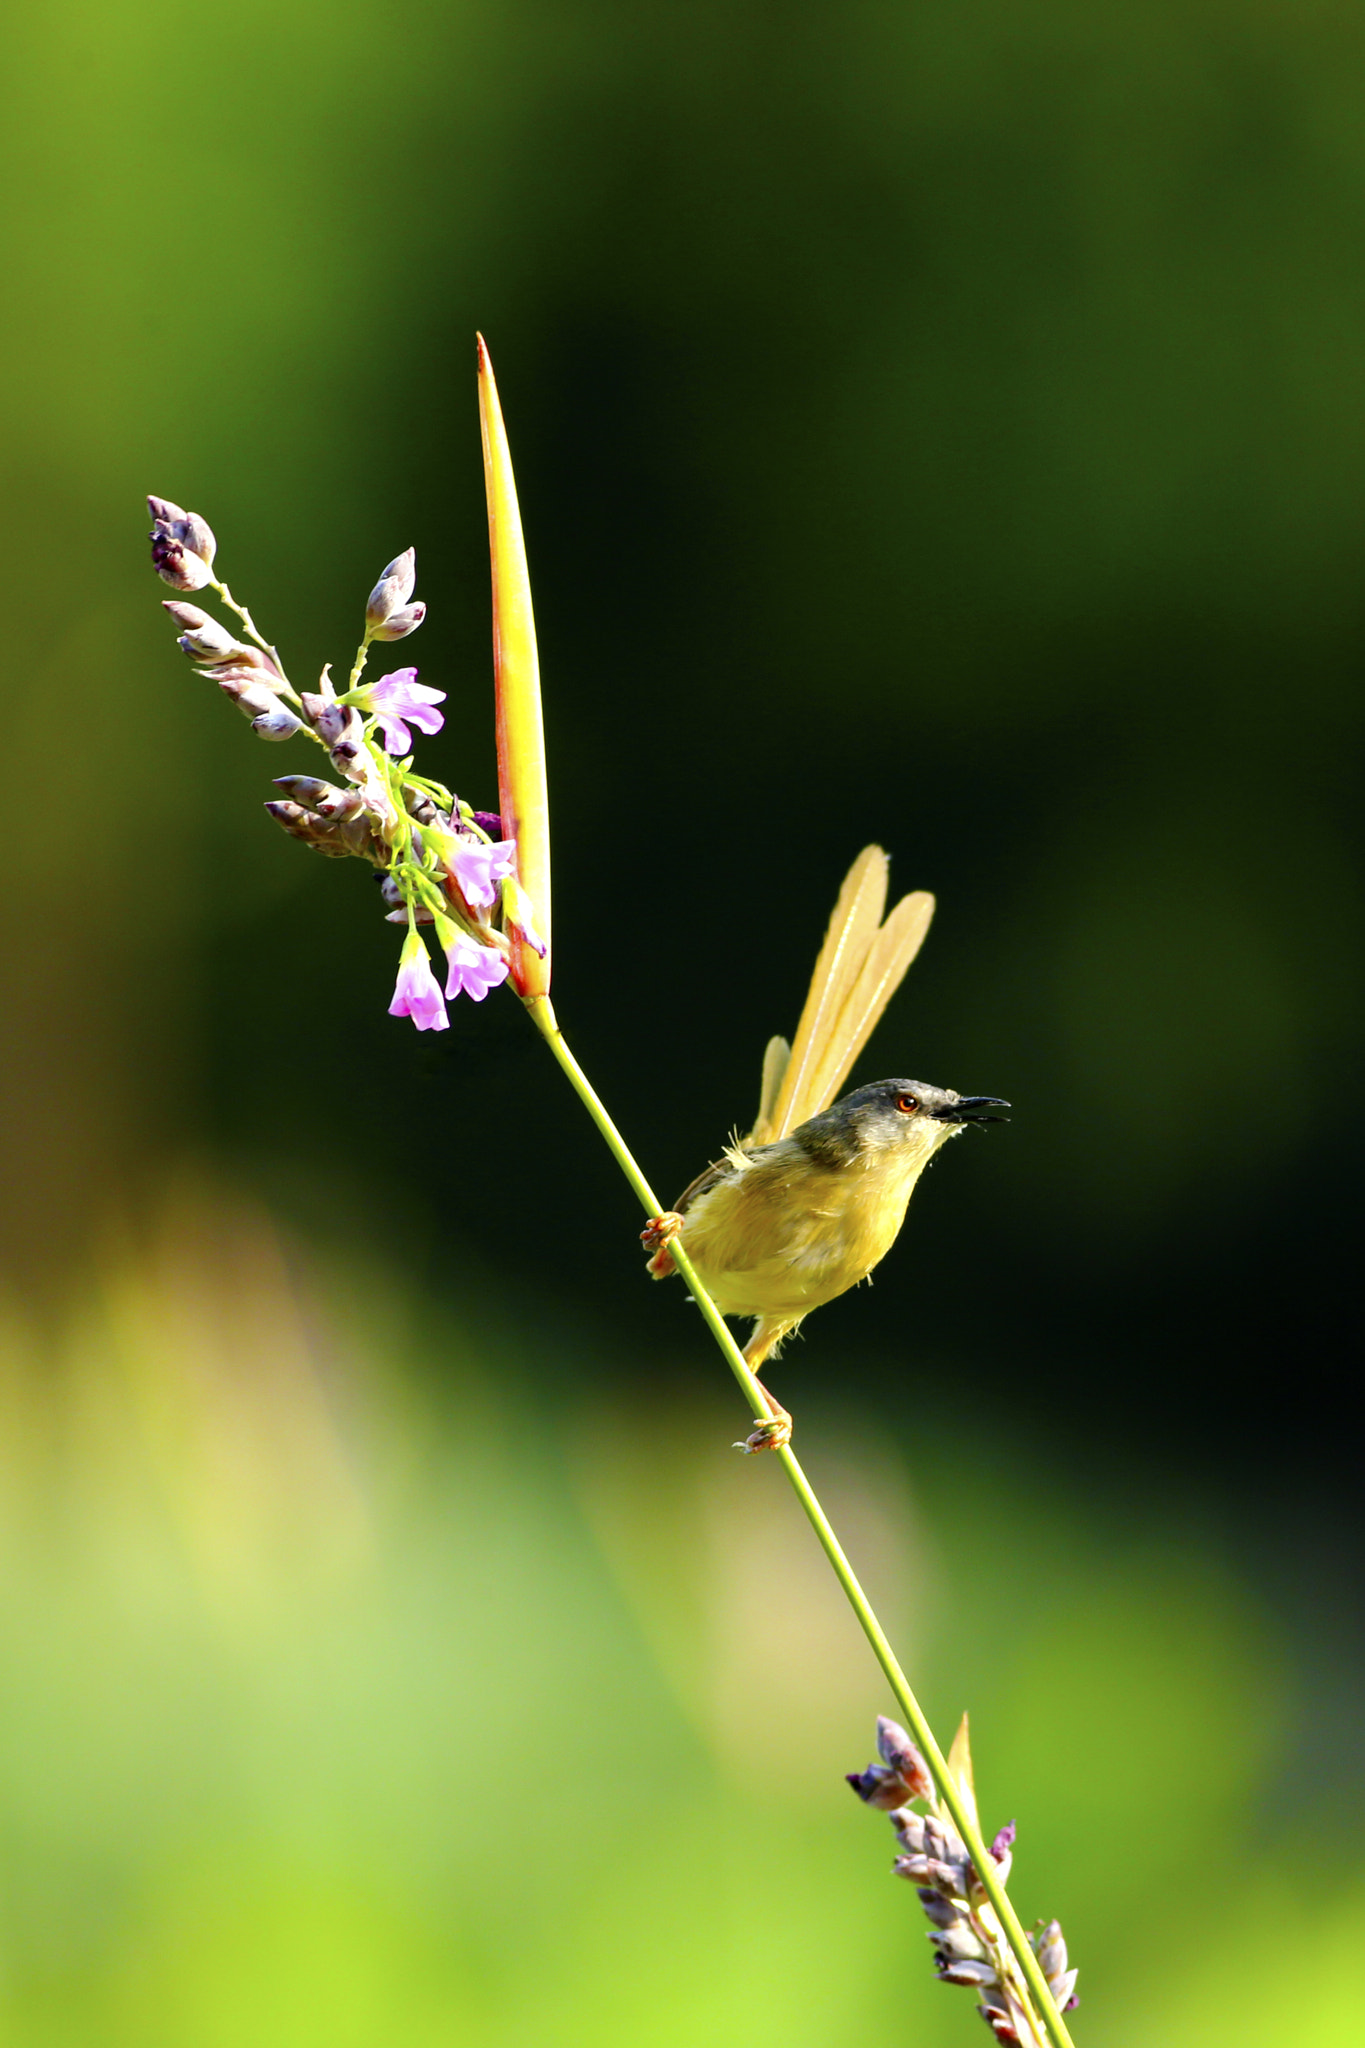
column 950, row 1793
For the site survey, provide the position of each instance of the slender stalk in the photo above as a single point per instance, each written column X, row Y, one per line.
column 362, row 655
column 982, row 1861
column 286, row 688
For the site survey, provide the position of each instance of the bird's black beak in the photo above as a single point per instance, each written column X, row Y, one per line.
column 972, row 1109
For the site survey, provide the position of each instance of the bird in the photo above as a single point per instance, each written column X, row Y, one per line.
column 813, row 1197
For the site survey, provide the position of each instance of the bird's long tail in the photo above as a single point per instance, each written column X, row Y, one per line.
column 860, row 967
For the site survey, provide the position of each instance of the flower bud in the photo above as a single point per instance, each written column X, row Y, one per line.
column 198, row 537
column 948, row 1878
column 903, row 1774
column 209, row 641
column 178, row 567
column 909, row 1830
column 247, row 664
column 277, row 724
column 183, row 545
column 1051, row 1948
column 308, row 790
column 252, row 699
column 1002, row 1850
column 332, row 722
column 340, row 804
column 942, row 1912
column 188, row 617
column 958, row 1940
column 393, row 589
column 353, row 758
column 938, row 1840
column 420, row 806
column 330, row 836
column 965, row 1970
column 301, row 824
column 1051, row 1951
column 1000, row 2021
column 399, row 624
column 877, row 1786
column 899, row 1752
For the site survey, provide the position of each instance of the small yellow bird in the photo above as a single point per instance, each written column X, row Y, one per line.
column 814, row 1197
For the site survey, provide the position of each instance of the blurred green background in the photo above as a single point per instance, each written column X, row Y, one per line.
column 935, row 424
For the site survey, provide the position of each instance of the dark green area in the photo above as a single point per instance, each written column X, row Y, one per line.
column 932, row 427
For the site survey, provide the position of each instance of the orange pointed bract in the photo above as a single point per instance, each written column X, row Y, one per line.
column 523, row 796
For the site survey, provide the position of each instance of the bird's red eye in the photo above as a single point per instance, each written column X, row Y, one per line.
column 907, row 1104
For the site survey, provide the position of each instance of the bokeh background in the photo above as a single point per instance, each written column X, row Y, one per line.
column 938, row 424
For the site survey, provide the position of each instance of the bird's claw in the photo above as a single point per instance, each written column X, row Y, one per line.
column 772, row 1435
column 656, row 1237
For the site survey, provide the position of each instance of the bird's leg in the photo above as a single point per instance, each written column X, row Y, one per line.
column 656, row 1237
column 772, row 1434
column 777, row 1430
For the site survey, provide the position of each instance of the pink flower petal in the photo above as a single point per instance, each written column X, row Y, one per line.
column 399, row 700
column 397, row 738
column 474, row 969
column 417, row 993
column 479, row 869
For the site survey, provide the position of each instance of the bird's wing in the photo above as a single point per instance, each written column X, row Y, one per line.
column 859, row 969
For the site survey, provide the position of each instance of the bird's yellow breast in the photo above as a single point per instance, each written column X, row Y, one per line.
column 783, row 1235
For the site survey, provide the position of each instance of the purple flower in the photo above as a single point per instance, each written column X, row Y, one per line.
column 479, row 869
column 474, row 969
column 399, row 700
column 418, row 993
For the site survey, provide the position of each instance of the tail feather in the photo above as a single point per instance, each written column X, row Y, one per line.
column 857, row 915
column 776, row 1060
column 860, row 967
column 889, row 955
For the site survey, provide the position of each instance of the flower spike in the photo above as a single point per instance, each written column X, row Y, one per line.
column 523, row 793
column 968, row 1939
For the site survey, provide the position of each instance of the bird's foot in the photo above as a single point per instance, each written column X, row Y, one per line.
column 656, row 1237
column 772, row 1435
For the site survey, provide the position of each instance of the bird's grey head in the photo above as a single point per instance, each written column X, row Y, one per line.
column 889, row 1114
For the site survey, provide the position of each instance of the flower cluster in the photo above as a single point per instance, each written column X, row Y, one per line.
column 440, row 863
column 968, row 1941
